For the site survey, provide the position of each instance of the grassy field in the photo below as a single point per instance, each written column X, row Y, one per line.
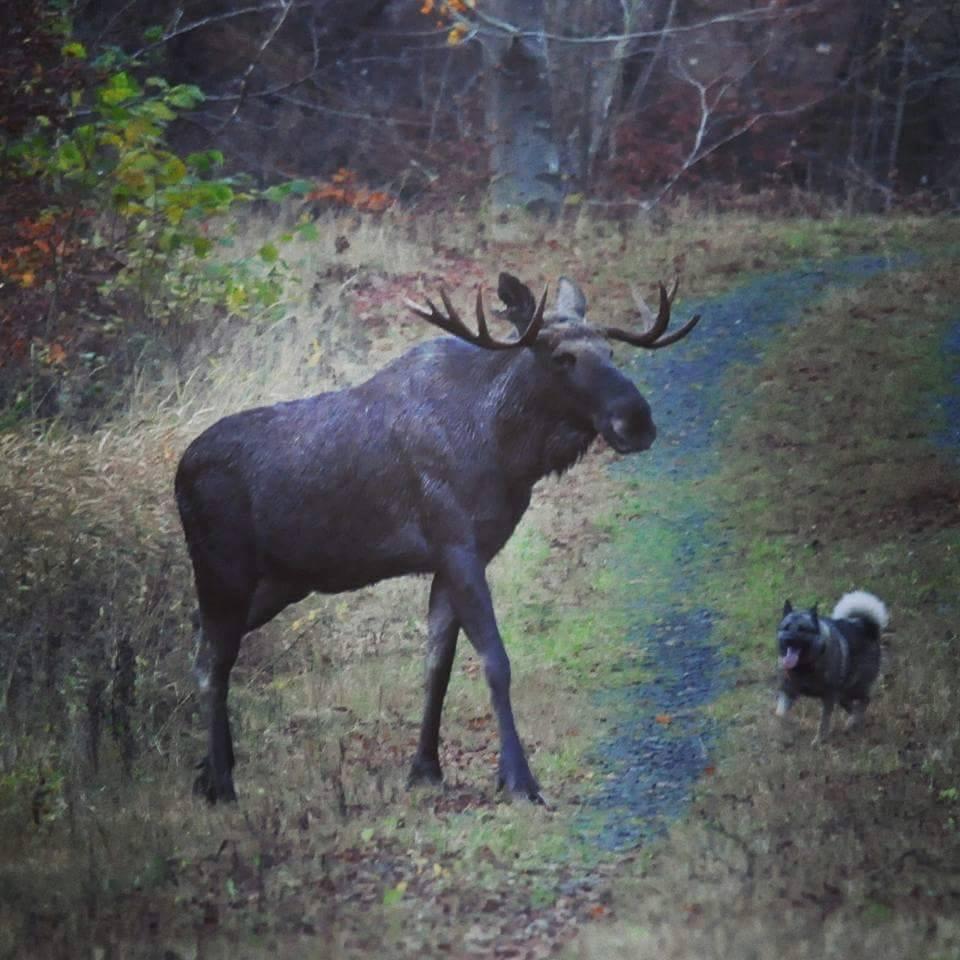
column 828, row 480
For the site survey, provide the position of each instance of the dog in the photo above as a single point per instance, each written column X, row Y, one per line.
column 835, row 659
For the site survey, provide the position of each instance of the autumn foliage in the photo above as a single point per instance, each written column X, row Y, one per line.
column 107, row 233
column 343, row 190
column 453, row 14
column 38, row 243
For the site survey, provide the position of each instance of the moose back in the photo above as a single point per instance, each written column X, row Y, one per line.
column 427, row 467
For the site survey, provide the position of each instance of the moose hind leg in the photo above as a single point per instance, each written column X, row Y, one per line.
column 221, row 642
column 443, row 628
column 269, row 598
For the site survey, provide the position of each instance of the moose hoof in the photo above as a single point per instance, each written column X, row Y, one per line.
column 521, row 785
column 425, row 772
column 205, row 785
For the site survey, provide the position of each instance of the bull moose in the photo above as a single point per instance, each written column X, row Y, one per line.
column 426, row 468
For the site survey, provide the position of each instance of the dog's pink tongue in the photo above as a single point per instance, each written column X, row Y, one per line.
column 790, row 659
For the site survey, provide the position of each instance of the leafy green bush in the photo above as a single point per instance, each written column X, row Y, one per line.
column 107, row 166
column 119, row 248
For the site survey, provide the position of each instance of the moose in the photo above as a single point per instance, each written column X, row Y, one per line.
column 426, row 468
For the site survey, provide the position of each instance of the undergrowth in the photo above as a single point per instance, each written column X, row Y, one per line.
column 101, row 723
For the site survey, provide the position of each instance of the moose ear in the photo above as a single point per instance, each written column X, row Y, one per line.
column 816, row 616
column 787, row 607
column 571, row 303
column 519, row 300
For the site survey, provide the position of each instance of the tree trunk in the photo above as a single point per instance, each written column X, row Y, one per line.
column 524, row 162
column 902, row 85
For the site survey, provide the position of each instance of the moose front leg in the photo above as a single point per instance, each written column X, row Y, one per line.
column 442, row 630
column 473, row 607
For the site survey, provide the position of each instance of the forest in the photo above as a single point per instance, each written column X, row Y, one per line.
column 217, row 205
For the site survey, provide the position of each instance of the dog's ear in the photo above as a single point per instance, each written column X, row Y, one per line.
column 815, row 616
column 787, row 607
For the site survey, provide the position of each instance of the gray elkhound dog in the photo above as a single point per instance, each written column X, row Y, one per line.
column 835, row 658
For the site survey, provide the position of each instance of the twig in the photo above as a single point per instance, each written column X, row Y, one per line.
column 205, row 22
column 770, row 12
column 286, row 7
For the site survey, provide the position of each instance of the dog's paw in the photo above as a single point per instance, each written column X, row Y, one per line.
column 782, row 708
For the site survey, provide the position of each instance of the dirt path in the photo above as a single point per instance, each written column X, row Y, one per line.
column 662, row 740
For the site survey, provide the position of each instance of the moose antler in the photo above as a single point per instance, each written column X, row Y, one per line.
column 652, row 338
column 451, row 322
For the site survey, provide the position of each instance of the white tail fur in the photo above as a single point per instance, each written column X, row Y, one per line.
column 859, row 603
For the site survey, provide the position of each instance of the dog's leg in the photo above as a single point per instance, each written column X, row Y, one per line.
column 784, row 703
column 823, row 731
column 857, row 711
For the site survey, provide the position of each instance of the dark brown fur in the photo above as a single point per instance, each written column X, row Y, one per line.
column 426, row 468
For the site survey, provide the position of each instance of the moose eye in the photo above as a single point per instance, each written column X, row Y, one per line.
column 565, row 360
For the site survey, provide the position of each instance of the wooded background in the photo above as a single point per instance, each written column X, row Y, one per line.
column 548, row 99
column 130, row 130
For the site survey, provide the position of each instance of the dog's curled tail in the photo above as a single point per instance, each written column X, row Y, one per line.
column 859, row 603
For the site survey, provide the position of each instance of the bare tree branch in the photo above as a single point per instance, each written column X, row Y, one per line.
column 772, row 11
column 640, row 87
column 700, row 149
column 285, row 7
column 246, row 94
column 177, row 31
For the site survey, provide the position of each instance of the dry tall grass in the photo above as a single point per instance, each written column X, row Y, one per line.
column 98, row 699
column 101, row 722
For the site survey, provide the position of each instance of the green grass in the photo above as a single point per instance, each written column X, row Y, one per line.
column 844, row 851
